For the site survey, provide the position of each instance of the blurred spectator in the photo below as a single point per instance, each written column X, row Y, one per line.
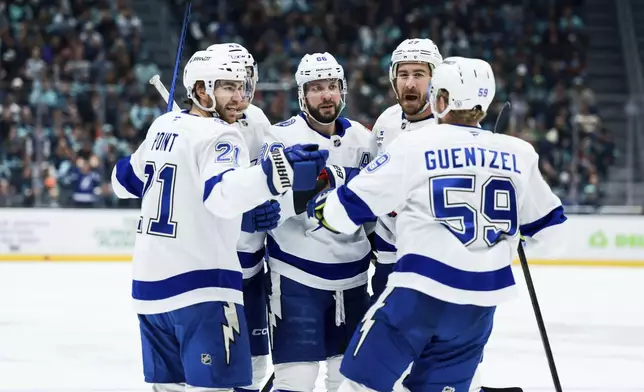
column 537, row 54
column 74, row 95
column 73, row 99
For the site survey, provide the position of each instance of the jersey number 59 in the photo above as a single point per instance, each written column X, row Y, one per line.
column 162, row 225
column 497, row 207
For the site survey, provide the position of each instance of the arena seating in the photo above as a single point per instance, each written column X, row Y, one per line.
column 74, row 96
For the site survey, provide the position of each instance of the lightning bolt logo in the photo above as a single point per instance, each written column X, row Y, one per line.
column 230, row 327
column 274, row 306
column 368, row 321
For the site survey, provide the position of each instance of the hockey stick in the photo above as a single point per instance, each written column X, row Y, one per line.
column 177, row 61
column 269, row 383
column 165, row 94
column 502, row 122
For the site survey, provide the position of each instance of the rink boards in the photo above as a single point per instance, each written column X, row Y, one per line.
column 108, row 235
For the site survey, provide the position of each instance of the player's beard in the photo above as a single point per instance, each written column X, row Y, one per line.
column 317, row 115
column 227, row 112
column 412, row 102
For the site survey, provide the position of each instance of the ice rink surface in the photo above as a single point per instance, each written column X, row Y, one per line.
column 69, row 327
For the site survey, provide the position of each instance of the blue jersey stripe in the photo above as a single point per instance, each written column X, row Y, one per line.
column 211, row 182
column 357, row 210
column 249, row 260
column 326, row 271
column 127, row 178
column 383, row 245
column 554, row 217
column 182, row 283
column 454, row 277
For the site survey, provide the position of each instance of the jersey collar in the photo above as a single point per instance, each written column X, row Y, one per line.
column 403, row 117
column 341, row 126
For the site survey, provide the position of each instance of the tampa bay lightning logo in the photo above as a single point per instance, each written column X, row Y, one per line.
column 286, row 123
column 377, row 163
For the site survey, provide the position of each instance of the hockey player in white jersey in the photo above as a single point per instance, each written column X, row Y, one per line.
column 466, row 194
column 254, row 125
column 318, row 288
column 194, row 177
column 410, row 73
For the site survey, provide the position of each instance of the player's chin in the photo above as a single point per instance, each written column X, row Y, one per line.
column 410, row 106
column 229, row 114
column 327, row 111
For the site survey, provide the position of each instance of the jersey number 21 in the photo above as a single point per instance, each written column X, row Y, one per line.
column 162, row 225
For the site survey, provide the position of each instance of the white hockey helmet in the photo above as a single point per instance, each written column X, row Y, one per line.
column 208, row 67
column 319, row 66
column 469, row 82
column 237, row 52
column 415, row 50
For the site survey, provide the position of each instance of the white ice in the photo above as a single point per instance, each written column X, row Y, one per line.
column 69, row 327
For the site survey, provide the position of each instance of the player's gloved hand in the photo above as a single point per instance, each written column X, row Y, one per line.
column 336, row 175
column 295, row 167
column 264, row 217
column 307, row 161
column 315, row 210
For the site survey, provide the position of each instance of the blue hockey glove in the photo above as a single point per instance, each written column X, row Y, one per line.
column 307, row 161
column 295, row 167
column 315, row 210
column 264, row 217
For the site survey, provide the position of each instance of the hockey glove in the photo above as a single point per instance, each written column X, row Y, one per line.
column 279, row 173
column 315, row 210
column 294, row 167
column 337, row 175
column 307, row 161
column 264, row 217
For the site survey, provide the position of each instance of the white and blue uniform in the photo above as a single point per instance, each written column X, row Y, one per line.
column 318, row 279
column 254, row 126
column 195, row 182
column 391, row 123
column 466, row 195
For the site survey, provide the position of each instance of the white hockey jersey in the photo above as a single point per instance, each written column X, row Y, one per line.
column 391, row 123
column 254, row 126
column 298, row 249
column 466, row 193
column 194, row 177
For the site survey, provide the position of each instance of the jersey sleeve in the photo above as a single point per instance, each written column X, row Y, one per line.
column 378, row 135
column 376, row 191
column 231, row 187
column 128, row 175
column 541, row 216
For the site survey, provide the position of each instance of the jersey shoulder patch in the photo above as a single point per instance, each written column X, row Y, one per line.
column 286, row 123
column 378, row 163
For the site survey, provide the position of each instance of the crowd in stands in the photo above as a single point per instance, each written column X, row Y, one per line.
column 74, row 97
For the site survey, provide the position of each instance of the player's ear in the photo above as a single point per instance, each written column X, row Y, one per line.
column 200, row 89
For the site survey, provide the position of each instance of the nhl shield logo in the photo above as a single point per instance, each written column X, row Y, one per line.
column 206, row 359
column 403, row 125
